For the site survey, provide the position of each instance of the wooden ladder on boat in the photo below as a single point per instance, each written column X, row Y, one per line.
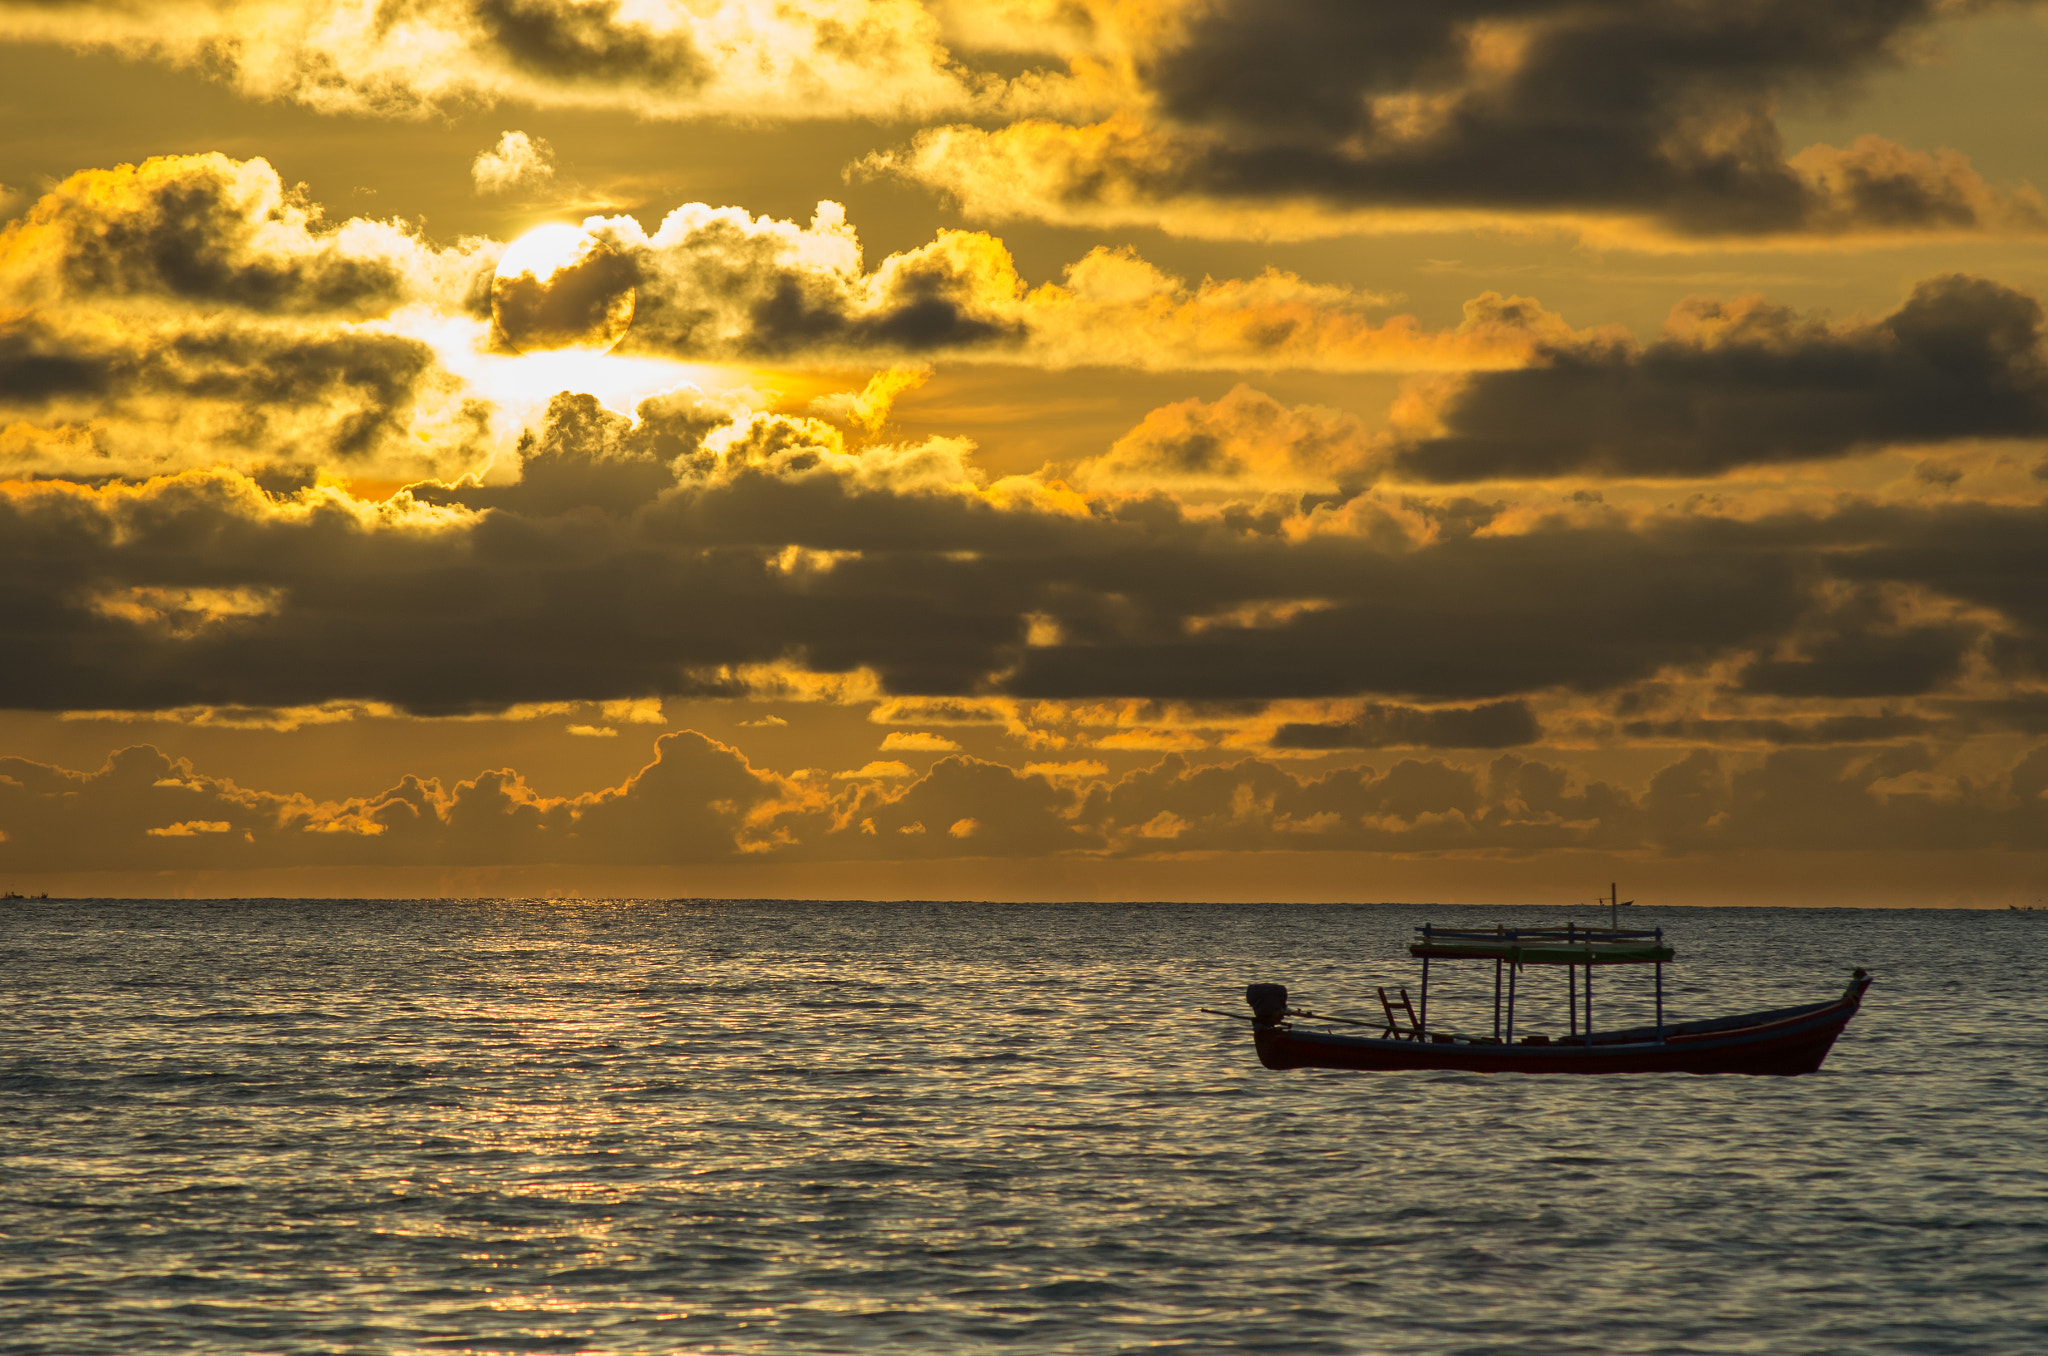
column 1397, row 1010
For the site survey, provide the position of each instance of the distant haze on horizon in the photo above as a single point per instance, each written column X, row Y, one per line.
column 1310, row 450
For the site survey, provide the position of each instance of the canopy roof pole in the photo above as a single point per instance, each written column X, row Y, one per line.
column 1571, row 979
column 1422, row 1022
column 1496, row 1000
column 1660, row 990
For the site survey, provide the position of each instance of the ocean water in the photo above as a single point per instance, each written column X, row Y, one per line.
column 732, row 1126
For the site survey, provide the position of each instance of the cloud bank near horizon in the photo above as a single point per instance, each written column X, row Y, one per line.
column 700, row 801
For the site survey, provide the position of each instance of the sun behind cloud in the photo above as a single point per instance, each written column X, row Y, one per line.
column 559, row 286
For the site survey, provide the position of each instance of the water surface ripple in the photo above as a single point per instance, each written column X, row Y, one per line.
column 731, row 1126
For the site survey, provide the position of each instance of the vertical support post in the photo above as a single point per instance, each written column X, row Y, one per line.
column 1589, row 1002
column 1423, row 1021
column 1511, row 1002
column 1660, row 990
column 1496, row 1000
column 1571, row 977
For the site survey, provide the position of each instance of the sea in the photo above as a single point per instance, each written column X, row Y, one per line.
column 742, row 1126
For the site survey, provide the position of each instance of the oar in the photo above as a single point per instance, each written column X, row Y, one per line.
column 1294, row 1012
column 1319, row 1017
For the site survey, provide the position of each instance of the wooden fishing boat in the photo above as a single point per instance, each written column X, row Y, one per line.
column 1776, row 1041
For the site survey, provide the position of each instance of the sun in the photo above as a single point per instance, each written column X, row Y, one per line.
column 544, row 250
column 559, row 286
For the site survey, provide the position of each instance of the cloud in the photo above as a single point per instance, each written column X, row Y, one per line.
column 699, row 801
column 1496, row 725
column 1224, row 117
column 721, row 283
column 579, row 293
column 988, row 810
column 1795, row 799
column 202, row 229
column 1846, row 729
column 190, row 828
column 192, row 309
column 1748, row 383
column 920, row 741
column 219, row 390
column 517, row 161
column 1231, row 551
column 1115, row 309
column 869, row 408
column 875, row 771
column 1471, row 617
column 807, row 59
column 1245, row 439
column 1860, row 642
column 683, row 552
column 1320, row 117
column 1083, row 770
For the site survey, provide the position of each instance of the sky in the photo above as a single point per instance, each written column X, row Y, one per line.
column 1026, row 449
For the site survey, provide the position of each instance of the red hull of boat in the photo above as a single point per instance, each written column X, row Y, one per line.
column 1791, row 1041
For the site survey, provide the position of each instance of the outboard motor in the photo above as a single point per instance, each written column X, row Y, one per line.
column 1269, row 1003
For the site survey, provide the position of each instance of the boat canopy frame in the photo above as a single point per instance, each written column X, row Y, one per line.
column 1572, row 946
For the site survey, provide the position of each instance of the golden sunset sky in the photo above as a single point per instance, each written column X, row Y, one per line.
column 1003, row 449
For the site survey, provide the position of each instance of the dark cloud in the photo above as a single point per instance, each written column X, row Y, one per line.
column 1988, row 555
column 191, row 310
column 1176, row 806
column 1415, row 805
column 584, row 42
column 324, row 391
column 963, row 807
column 1466, row 618
column 931, row 302
column 587, row 302
column 665, row 554
column 1663, row 109
column 1861, row 664
column 1497, row 725
column 36, row 366
column 585, row 456
column 1753, row 384
column 725, row 284
column 1864, row 641
column 205, row 241
column 200, row 229
column 1797, row 799
column 2024, row 714
column 1848, row 729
